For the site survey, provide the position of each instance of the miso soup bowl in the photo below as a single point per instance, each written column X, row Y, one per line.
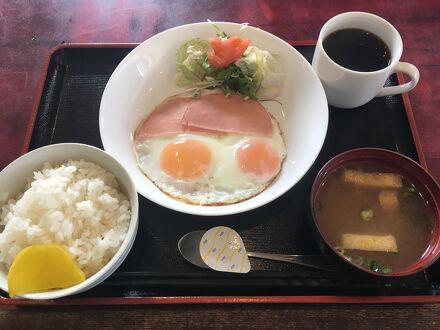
column 400, row 164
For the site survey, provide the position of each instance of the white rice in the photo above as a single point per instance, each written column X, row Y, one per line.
column 77, row 204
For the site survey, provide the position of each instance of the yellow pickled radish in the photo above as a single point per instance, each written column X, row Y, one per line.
column 43, row 267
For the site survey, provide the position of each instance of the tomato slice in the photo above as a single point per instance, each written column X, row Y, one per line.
column 226, row 51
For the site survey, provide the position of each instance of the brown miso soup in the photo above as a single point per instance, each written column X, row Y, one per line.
column 373, row 217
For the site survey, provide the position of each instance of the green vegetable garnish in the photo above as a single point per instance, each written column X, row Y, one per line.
column 373, row 265
column 256, row 69
column 376, row 267
column 190, row 60
column 220, row 33
column 366, row 214
column 223, row 35
column 357, row 260
column 232, row 80
column 410, row 191
column 387, row 270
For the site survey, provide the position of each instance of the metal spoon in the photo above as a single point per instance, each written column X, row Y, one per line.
column 189, row 248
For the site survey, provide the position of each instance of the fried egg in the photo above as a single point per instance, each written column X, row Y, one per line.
column 211, row 169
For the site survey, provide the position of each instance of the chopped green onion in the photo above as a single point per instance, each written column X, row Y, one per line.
column 376, row 267
column 373, row 265
column 366, row 214
column 387, row 270
column 410, row 191
column 358, row 260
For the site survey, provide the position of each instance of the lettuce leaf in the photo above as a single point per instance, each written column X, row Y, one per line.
column 190, row 60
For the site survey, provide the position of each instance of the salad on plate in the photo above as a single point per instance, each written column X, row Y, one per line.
column 230, row 63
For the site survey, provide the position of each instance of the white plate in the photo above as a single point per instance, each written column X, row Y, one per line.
column 145, row 77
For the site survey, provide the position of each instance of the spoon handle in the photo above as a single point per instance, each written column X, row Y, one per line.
column 314, row 261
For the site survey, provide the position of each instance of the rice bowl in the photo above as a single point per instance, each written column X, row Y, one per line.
column 76, row 204
column 83, row 210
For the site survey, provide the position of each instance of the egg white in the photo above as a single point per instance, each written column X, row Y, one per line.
column 223, row 182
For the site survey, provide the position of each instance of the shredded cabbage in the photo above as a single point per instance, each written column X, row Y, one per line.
column 264, row 70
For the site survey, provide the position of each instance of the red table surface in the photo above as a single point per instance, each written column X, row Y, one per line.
column 29, row 29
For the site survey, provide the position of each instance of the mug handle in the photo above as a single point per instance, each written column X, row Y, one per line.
column 408, row 69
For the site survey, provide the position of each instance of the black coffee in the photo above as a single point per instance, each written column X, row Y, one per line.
column 357, row 50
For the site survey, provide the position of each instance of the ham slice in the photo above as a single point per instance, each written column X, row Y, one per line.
column 232, row 114
column 210, row 113
column 166, row 118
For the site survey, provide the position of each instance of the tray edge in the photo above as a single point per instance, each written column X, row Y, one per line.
column 189, row 300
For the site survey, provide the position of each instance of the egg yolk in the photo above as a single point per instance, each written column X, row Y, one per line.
column 259, row 158
column 185, row 159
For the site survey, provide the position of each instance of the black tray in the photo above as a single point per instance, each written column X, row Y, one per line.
column 68, row 112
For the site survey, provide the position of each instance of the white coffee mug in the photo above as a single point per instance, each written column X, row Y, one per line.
column 346, row 88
